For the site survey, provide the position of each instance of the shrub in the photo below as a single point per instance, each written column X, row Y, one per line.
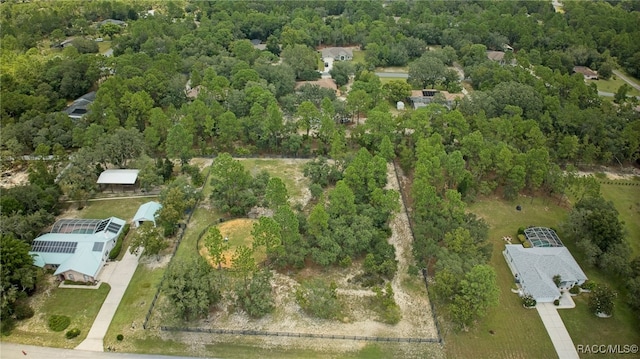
column 521, row 231
column 23, row 311
column 556, row 302
column 318, row 299
column 345, row 262
column 588, row 285
column 521, row 238
column 386, row 306
column 72, row 333
column 574, row 290
column 528, row 301
column 120, row 337
column 118, row 247
column 557, row 279
column 58, row 323
column 526, row 244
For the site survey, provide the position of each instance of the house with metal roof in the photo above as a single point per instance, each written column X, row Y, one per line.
column 337, row 53
column 146, row 213
column 534, row 269
column 77, row 248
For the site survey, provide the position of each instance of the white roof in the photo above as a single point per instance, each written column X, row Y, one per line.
column 147, row 212
column 118, row 177
column 536, row 268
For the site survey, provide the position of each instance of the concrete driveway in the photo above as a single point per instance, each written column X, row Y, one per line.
column 557, row 331
column 118, row 275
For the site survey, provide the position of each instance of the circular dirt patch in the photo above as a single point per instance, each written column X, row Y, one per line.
column 238, row 232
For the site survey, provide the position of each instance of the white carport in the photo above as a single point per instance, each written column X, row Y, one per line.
column 146, row 213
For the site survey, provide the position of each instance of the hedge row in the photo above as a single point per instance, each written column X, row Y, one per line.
column 115, row 252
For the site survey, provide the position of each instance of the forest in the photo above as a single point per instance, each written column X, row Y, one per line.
column 521, row 127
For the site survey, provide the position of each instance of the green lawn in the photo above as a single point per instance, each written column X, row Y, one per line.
column 358, row 56
column 385, row 80
column 104, row 46
column 627, row 201
column 81, row 305
column 581, row 322
column 612, row 85
column 132, row 310
column 518, row 332
column 122, row 208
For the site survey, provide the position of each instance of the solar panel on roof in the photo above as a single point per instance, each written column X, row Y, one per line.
column 54, row 247
column 113, row 227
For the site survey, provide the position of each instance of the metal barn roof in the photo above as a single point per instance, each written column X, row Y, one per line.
column 118, row 177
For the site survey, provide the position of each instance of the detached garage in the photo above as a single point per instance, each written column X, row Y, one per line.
column 146, row 213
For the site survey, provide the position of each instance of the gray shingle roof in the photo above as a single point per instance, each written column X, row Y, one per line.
column 536, row 268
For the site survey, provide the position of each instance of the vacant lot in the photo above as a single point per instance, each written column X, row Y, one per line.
column 358, row 319
column 626, row 199
column 81, row 305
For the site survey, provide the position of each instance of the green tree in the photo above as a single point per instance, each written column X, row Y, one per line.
column 266, row 232
column 216, row 246
column 276, row 193
column 110, row 29
column 426, row 72
column 477, row 292
column 358, row 101
column 179, row 143
column 341, row 72
column 231, row 184
column 148, row 237
column 243, row 264
column 396, row 90
column 191, row 288
column 18, row 273
column 309, row 116
column 302, row 59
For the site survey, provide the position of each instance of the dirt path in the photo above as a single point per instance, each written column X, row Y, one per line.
column 416, row 311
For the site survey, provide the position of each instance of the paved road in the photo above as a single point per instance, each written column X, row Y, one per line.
column 401, row 75
column 626, row 79
column 14, row 351
column 118, row 275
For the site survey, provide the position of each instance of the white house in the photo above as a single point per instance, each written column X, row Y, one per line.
column 534, row 269
column 146, row 213
column 77, row 248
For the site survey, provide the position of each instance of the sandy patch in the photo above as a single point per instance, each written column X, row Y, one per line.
column 14, row 178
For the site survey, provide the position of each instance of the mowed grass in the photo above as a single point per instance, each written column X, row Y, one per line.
column 587, row 329
column 385, row 80
column 122, row 208
column 358, row 56
column 518, row 332
column 612, row 85
column 132, row 310
column 81, row 305
column 626, row 199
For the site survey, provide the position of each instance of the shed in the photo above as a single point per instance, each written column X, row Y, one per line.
column 146, row 213
column 118, row 177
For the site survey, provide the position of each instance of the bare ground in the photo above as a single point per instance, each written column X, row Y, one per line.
column 358, row 319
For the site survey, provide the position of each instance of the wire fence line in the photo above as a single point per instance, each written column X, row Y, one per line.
column 145, row 325
column 298, row 335
column 425, row 273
